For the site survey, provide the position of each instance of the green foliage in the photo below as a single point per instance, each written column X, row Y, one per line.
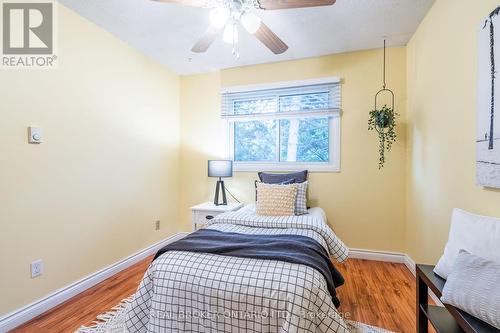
column 270, row 140
column 312, row 140
column 384, row 122
column 284, row 140
column 255, row 141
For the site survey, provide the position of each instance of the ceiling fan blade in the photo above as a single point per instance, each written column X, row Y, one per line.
column 270, row 39
column 288, row 4
column 193, row 3
column 206, row 40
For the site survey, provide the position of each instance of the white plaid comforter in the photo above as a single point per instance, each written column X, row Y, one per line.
column 197, row 292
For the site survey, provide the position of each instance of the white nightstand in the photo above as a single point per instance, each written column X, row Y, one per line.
column 202, row 213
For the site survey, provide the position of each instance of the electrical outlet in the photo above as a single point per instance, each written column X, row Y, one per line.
column 36, row 268
column 157, row 225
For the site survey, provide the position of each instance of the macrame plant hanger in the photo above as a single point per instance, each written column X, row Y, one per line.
column 382, row 91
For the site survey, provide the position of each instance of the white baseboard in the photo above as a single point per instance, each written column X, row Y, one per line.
column 395, row 257
column 24, row 314
column 410, row 264
column 377, row 255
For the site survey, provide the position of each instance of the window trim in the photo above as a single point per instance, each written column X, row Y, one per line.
column 334, row 136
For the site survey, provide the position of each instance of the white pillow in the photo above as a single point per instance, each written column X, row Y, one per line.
column 473, row 287
column 479, row 235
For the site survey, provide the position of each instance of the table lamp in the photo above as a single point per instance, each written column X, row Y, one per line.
column 220, row 169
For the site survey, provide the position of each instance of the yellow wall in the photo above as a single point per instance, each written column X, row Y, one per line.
column 364, row 205
column 442, row 132
column 89, row 195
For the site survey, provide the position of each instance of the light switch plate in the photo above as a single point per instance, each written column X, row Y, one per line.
column 34, row 134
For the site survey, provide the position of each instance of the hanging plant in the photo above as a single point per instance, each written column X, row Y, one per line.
column 384, row 122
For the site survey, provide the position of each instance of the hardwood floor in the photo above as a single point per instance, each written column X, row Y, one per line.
column 375, row 293
column 378, row 293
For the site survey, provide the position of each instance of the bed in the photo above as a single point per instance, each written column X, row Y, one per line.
column 202, row 292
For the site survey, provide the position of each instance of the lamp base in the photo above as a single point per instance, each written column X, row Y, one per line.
column 220, row 186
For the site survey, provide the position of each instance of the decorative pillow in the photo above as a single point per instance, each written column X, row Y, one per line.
column 301, row 201
column 276, row 200
column 276, row 178
column 286, row 182
column 472, row 286
column 479, row 235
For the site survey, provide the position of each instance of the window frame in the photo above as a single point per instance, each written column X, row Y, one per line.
column 334, row 133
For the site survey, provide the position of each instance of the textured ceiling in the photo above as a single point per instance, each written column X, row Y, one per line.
column 166, row 32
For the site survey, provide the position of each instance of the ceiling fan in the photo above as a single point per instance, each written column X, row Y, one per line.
column 228, row 15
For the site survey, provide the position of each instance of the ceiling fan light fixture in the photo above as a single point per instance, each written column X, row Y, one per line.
column 228, row 14
column 230, row 35
column 251, row 22
column 219, row 17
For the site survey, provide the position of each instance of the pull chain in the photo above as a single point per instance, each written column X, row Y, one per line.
column 235, row 50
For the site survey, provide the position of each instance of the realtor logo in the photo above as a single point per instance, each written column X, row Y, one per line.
column 28, row 34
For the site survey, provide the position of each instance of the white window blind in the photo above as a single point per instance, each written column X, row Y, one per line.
column 303, row 101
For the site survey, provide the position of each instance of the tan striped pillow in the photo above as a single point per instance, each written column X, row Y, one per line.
column 276, row 200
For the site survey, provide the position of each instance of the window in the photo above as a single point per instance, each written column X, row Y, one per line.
column 287, row 126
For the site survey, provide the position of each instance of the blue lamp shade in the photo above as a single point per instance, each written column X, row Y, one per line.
column 220, row 168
